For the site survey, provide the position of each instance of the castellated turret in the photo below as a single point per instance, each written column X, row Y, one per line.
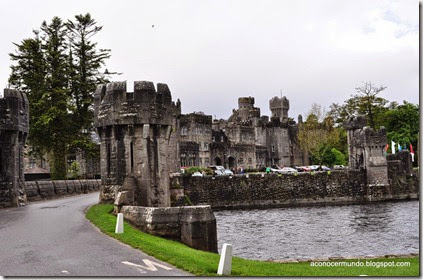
column 136, row 148
column 279, row 106
column 365, row 149
column 246, row 109
column 14, row 125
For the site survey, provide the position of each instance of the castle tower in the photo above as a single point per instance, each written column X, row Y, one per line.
column 14, row 122
column 365, row 150
column 279, row 106
column 135, row 130
column 246, row 108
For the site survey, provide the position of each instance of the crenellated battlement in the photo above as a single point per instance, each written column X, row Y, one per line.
column 14, row 111
column 279, row 106
column 245, row 102
column 354, row 123
column 278, row 103
column 146, row 105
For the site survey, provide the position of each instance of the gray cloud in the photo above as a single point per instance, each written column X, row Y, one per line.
column 212, row 52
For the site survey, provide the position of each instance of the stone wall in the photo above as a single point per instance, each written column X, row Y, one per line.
column 40, row 190
column 193, row 226
column 272, row 190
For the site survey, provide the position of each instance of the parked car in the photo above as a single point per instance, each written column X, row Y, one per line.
column 313, row 167
column 302, row 168
column 197, row 174
column 218, row 170
column 228, row 172
column 306, row 168
column 284, row 170
column 325, row 168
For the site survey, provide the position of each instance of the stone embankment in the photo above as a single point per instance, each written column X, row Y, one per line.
column 272, row 190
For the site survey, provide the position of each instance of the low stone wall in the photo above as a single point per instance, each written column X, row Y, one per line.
column 194, row 226
column 39, row 190
column 273, row 190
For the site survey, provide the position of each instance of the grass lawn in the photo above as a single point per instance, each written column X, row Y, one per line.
column 205, row 264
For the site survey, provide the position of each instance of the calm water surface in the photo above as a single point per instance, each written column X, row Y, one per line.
column 330, row 231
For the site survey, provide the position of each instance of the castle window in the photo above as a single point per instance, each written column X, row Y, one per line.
column 273, row 148
column 206, row 146
column 184, row 130
column 241, row 160
column 250, row 160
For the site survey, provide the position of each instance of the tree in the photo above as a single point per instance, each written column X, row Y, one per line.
column 58, row 70
column 85, row 65
column 28, row 75
column 365, row 102
column 322, row 154
column 55, row 121
column 402, row 124
column 318, row 136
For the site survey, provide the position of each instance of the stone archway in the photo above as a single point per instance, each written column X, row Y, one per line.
column 217, row 161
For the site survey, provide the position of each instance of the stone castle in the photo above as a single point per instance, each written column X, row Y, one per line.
column 246, row 139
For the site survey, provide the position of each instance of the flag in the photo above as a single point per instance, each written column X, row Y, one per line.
column 393, row 147
column 399, row 147
column 385, row 150
column 412, row 152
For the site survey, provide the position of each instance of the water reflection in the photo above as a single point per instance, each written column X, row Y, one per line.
column 372, row 217
column 311, row 232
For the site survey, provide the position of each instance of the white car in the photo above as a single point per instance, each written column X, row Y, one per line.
column 314, row 167
column 228, row 172
column 197, row 174
column 284, row 170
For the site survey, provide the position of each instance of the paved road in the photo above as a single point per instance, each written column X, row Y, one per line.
column 53, row 238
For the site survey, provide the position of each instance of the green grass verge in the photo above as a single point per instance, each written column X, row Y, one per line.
column 205, row 264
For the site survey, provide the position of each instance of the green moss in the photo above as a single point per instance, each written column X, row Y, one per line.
column 202, row 263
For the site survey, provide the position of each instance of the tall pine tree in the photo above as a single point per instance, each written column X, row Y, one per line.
column 59, row 70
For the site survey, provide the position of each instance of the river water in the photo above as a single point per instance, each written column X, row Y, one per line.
column 321, row 231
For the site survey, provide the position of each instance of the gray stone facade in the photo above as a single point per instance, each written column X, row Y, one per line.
column 135, row 132
column 14, row 124
column 246, row 139
column 139, row 150
column 365, row 150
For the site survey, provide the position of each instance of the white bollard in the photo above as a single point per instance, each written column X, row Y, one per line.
column 225, row 263
column 119, row 223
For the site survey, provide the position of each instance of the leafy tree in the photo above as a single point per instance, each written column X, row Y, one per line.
column 55, row 120
column 28, row 75
column 58, row 70
column 340, row 158
column 402, row 124
column 322, row 154
column 366, row 102
column 85, row 64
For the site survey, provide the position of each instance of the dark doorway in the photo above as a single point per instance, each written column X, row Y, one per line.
column 232, row 162
column 217, row 161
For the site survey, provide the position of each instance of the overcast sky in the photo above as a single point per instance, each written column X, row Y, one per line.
column 212, row 52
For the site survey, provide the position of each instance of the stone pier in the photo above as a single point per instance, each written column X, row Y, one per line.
column 14, row 122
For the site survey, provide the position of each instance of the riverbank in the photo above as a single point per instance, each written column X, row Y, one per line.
column 202, row 263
